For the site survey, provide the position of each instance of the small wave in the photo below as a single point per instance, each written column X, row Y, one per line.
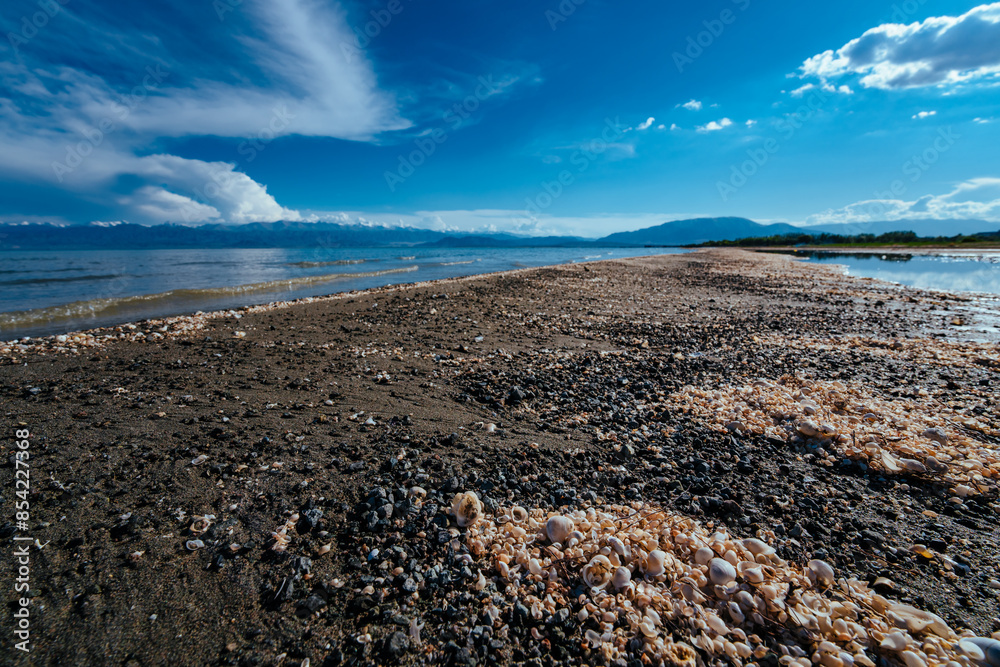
column 407, row 257
column 181, row 298
column 43, row 281
column 470, row 261
column 586, row 257
column 338, row 262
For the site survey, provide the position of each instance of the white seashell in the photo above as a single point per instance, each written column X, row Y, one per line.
column 467, row 508
column 703, row 556
column 654, row 563
column 758, row 547
column 598, row 572
column 751, row 572
column 417, row 493
column 912, row 465
column 194, row 545
column 325, row 549
column 916, row 620
column 736, row 613
column 822, row 572
column 518, row 514
column 198, row 460
column 620, row 547
column 720, row 572
column 558, row 528
column 622, row 577
column 989, row 647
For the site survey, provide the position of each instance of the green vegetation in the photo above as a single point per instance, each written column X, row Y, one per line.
column 907, row 239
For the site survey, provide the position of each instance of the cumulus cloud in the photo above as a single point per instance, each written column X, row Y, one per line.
column 978, row 198
column 940, row 50
column 920, row 115
column 715, row 125
column 693, row 105
column 645, row 125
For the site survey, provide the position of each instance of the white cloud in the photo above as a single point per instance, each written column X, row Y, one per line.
column 751, row 123
column 693, row 105
column 159, row 205
column 645, row 125
column 978, row 198
column 715, row 125
column 937, row 51
column 674, row 127
column 825, row 87
column 82, row 133
column 920, row 115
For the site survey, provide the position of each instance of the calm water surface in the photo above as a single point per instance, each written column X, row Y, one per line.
column 959, row 272
column 49, row 292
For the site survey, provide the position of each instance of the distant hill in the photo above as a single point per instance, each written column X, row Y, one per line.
column 698, row 230
column 337, row 235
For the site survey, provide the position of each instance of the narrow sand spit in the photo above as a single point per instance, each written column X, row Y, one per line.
column 714, row 458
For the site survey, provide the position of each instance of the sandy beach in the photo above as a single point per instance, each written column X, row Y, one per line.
column 278, row 484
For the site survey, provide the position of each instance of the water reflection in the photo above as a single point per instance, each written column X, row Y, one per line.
column 965, row 272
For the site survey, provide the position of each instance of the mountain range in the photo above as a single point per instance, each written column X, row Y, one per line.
column 337, row 235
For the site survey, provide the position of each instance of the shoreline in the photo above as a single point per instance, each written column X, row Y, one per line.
column 76, row 323
column 286, row 494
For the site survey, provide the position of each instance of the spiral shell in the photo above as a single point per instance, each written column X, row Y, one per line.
column 598, row 572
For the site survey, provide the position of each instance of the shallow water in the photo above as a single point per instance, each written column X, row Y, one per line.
column 958, row 272
column 49, row 292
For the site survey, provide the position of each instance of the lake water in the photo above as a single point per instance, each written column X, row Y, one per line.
column 958, row 272
column 50, row 292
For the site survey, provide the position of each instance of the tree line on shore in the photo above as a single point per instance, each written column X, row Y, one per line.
column 822, row 239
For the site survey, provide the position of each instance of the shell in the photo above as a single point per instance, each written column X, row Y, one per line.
column 721, row 572
column 467, row 508
column 622, row 578
column 518, row 514
column 822, row 571
column 703, row 556
column 558, row 528
column 989, row 647
column 758, row 547
column 655, row 563
column 598, row 572
column 194, row 545
column 198, row 460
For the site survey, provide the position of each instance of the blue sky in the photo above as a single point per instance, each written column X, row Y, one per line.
column 575, row 117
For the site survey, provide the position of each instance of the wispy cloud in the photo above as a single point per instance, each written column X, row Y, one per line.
column 692, row 105
column 977, row 198
column 920, row 115
column 85, row 130
column 940, row 50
